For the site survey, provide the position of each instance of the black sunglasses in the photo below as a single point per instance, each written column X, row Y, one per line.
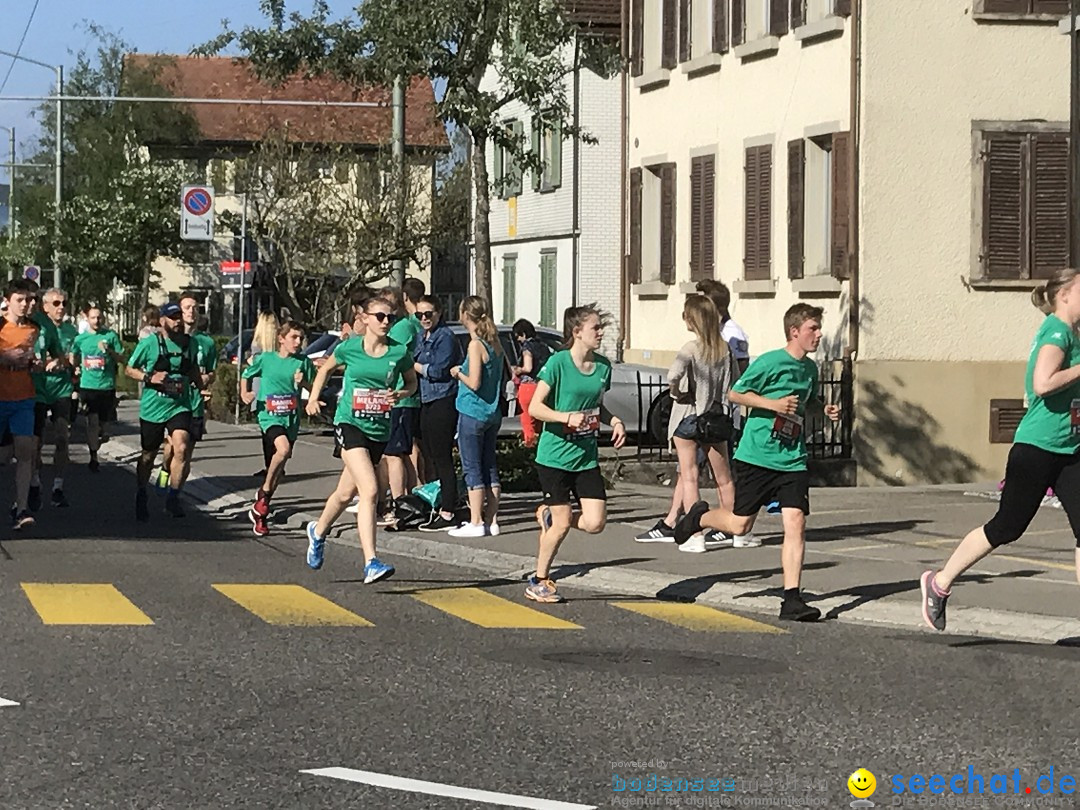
column 383, row 316
column 427, row 313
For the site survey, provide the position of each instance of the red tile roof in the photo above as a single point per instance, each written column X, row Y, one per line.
column 228, row 77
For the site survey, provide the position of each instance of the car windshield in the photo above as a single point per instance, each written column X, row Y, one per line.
column 321, row 343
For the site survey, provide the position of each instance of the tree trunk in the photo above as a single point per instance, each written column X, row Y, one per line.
column 481, row 223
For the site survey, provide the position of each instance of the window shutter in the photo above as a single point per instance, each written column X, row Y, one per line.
column 798, row 13
column 509, row 289
column 685, row 27
column 499, row 170
column 1058, row 8
column 842, row 8
column 752, row 226
column 637, row 37
column 553, row 169
column 1006, row 6
column 1004, row 223
column 738, row 22
column 796, row 206
column 1049, row 203
column 667, row 223
column 696, row 189
column 547, row 289
column 517, row 129
column 841, row 204
column 635, row 226
column 778, row 17
column 670, row 42
column 535, row 147
column 764, row 235
column 719, row 26
column 708, row 216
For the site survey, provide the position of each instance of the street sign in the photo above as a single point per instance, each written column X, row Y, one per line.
column 32, row 272
column 231, row 275
column 197, row 213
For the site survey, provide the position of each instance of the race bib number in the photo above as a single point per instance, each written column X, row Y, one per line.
column 171, row 387
column 787, row 428
column 1074, row 417
column 281, row 404
column 371, row 402
column 94, row 362
column 590, row 426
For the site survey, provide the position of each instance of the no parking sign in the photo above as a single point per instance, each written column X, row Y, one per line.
column 197, row 213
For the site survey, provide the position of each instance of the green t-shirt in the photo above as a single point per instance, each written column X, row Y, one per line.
column 366, row 383
column 572, row 391
column 279, row 393
column 1050, row 423
column 161, row 403
column 54, row 341
column 770, row 440
column 205, row 353
column 97, row 368
column 405, row 331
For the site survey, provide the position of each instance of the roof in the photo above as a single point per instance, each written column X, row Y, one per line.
column 229, row 77
column 595, row 13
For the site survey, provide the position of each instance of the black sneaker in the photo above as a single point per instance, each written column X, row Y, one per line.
column 94, row 465
column 173, row 507
column 34, row 501
column 439, row 524
column 58, row 499
column 794, row 609
column 690, row 524
column 142, row 507
column 23, row 520
column 933, row 601
column 660, row 533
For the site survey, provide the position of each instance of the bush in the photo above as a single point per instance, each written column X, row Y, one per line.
column 223, row 395
column 516, row 464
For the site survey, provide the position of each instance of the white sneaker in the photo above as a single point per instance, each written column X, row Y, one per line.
column 468, row 530
column 717, row 539
column 493, row 530
column 695, row 545
column 353, row 507
column 746, row 541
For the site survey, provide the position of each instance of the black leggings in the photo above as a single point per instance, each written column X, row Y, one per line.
column 1029, row 472
column 438, row 424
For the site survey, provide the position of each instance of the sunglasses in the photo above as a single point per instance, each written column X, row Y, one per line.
column 58, row 303
column 382, row 317
column 427, row 313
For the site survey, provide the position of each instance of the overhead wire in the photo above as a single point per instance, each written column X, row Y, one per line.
column 18, row 50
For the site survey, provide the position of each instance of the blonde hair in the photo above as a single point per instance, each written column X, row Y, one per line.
column 1043, row 296
column 475, row 307
column 704, row 321
column 266, row 332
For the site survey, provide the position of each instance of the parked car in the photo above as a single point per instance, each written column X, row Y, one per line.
column 228, row 351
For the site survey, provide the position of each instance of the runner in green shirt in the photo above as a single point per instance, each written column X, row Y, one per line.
column 283, row 374
column 166, row 363
column 373, row 364
column 95, row 356
column 1046, row 449
column 569, row 401
column 778, row 388
column 54, row 388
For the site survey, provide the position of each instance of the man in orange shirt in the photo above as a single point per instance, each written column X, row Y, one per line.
column 17, row 358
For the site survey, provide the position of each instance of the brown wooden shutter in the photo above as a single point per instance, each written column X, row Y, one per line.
column 719, row 26
column 750, row 226
column 1007, row 6
column 635, row 225
column 798, row 13
column 841, row 204
column 796, row 206
column 667, row 223
column 670, row 42
column 1049, row 160
column 637, row 37
column 758, row 242
column 1058, row 8
column 696, row 204
column 738, row 22
column 685, row 27
column 778, row 17
column 842, row 8
column 708, row 216
column 1004, row 190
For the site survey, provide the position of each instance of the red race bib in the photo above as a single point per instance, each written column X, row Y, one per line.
column 590, row 425
column 371, row 402
column 94, row 362
column 281, row 404
column 787, row 428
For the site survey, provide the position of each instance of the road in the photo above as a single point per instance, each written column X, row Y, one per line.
column 195, row 692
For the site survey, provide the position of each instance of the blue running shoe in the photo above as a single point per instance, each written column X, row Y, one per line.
column 315, row 547
column 376, row 570
column 773, row 508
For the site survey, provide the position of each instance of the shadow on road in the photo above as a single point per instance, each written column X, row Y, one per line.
column 688, row 590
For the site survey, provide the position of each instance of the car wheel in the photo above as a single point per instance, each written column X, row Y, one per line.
column 659, row 415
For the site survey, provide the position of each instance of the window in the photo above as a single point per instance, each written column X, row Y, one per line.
column 654, row 35
column 757, row 249
column 755, row 19
column 702, row 28
column 804, row 12
column 547, row 287
column 547, row 143
column 507, row 175
column 1050, row 9
column 702, row 216
column 818, row 216
column 1025, row 204
column 652, row 223
column 509, row 288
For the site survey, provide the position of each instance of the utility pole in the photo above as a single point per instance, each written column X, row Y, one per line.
column 59, row 170
column 398, row 278
column 13, row 222
column 1074, row 135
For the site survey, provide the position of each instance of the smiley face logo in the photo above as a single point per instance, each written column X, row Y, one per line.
column 862, row 784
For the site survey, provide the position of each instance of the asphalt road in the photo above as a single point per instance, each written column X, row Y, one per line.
column 222, row 697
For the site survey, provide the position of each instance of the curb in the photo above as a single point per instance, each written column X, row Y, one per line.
column 963, row 621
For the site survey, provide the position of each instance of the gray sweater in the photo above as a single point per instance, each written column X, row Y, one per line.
column 697, row 385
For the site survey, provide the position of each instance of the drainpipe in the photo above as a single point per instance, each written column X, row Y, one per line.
column 624, row 265
column 853, row 175
column 576, row 228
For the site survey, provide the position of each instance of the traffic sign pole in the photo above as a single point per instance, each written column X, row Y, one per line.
column 240, row 309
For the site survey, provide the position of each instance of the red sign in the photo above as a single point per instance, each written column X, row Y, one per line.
column 233, row 268
column 198, row 201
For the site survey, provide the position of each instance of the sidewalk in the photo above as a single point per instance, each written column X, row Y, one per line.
column 866, row 546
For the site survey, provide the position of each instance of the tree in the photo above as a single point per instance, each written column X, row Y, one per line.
column 530, row 44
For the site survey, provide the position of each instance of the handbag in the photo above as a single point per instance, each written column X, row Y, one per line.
column 714, row 426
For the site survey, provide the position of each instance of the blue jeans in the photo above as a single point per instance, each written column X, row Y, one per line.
column 476, row 444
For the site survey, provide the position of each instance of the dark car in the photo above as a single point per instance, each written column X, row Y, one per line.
column 228, row 351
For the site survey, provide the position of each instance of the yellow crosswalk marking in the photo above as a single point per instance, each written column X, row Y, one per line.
column 73, row 603
column 697, row 617
column 487, row 610
column 290, row 605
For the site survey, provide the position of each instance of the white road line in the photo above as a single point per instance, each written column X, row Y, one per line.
column 4, row 703
column 451, row 791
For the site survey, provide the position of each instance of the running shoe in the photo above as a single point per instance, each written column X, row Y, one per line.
column 142, row 506
column 469, row 530
column 795, row 609
column 543, row 517
column 493, row 530
column 23, row 520
column 690, row 524
column 746, row 541
column 316, row 546
column 542, row 590
column 94, row 464
column 258, row 524
column 174, row 507
column 34, row 501
column 695, row 545
column 660, row 533
column 933, row 601
column 714, row 538
column 59, row 500
column 773, row 508
column 376, row 570
column 438, row 524
column 261, row 507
